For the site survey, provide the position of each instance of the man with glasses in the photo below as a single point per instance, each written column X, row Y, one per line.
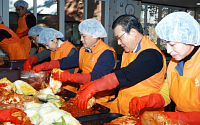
column 140, row 72
column 25, row 22
column 10, row 43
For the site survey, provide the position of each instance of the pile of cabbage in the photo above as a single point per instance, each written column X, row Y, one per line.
column 48, row 114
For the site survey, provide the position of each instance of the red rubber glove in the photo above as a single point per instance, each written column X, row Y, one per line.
column 25, row 33
column 86, row 91
column 138, row 103
column 5, row 116
column 82, row 88
column 27, row 64
column 20, row 35
column 67, row 76
column 192, row 118
column 47, row 66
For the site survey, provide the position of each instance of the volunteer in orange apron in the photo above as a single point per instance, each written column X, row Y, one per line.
column 10, row 43
column 55, row 49
column 94, row 58
column 25, row 22
column 34, row 35
column 140, row 72
column 180, row 33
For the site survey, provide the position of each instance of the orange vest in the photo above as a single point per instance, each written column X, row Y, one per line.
column 151, row 85
column 41, row 49
column 87, row 62
column 22, row 26
column 62, row 52
column 185, row 90
column 15, row 49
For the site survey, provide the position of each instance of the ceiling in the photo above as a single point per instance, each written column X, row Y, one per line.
column 177, row 3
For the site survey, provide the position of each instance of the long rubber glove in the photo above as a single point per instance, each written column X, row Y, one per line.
column 86, row 91
column 27, row 64
column 138, row 103
column 25, row 33
column 6, row 116
column 67, row 76
column 192, row 118
column 47, row 66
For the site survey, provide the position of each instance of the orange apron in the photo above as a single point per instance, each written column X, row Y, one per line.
column 62, row 52
column 185, row 90
column 15, row 49
column 87, row 62
column 146, row 87
column 41, row 49
column 22, row 26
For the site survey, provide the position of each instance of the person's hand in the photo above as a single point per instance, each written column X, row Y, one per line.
column 25, row 33
column 106, row 82
column 83, row 87
column 138, row 103
column 85, row 95
column 47, row 66
column 6, row 116
column 27, row 64
column 76, row 77
column 63, row 76
column 40, row 67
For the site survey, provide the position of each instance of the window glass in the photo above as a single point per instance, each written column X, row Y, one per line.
column 47, row 15
column 198, row 17
column 13, row 17
column 142, row 16
column 152, row 20
column 165, row 12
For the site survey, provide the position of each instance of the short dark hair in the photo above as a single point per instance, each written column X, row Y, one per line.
column 128, row 22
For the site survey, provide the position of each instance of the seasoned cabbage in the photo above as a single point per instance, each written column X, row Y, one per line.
column 24, row 88
column 49, row 114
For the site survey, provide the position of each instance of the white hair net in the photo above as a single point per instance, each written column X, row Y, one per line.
column 93, row 28
column 48, row 34
column 35, row 30
column 179, row 27
column 21, row 3
column 1, row 19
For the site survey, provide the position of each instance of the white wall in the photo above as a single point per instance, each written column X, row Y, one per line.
column 117, row 8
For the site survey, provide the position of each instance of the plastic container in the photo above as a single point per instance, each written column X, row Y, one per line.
column 14, row 64
column 97, row 107
column 11, row 74
column 98, row 119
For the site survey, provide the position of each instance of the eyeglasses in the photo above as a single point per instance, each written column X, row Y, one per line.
column 18, row 10
column 33, row 38
column 119, row 38
column 47, row 44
